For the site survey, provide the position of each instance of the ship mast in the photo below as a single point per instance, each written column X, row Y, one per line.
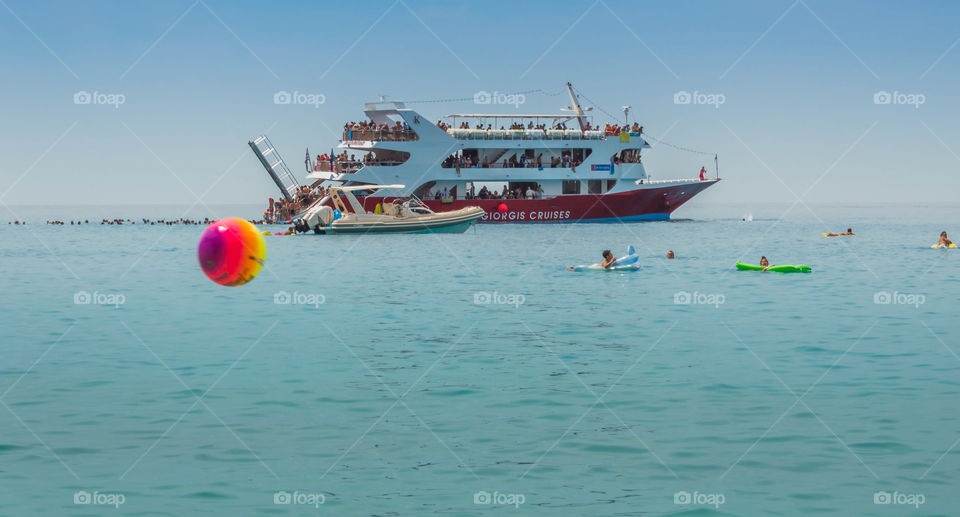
column 581, row 118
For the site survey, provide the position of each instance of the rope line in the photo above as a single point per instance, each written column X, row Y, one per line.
column 646, row 135
column 679, row 147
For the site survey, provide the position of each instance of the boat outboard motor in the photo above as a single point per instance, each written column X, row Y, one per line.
column 318, row 216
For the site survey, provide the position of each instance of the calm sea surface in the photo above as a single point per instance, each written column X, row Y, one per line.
column 472, row 375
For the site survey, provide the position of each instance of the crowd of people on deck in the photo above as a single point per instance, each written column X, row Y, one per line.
column 608, row 129
column 615, row 130
column 283, row 210
column 536, row 192
column 515, row 161
column 400, row 129
column 516, row 126
column 339, row 163
column 344, row 163
column 369, row 130
column 506, row 193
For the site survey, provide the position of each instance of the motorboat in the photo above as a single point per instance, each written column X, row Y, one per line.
column 341, row 212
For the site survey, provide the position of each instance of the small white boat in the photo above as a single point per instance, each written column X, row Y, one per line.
column 341, row 212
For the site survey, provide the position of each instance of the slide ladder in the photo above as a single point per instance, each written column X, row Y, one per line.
column 276, row 168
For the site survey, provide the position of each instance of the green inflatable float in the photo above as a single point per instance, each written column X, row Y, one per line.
column 779, row 269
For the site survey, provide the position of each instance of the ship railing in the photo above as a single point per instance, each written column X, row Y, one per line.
column 664, row 182
column 475, row 198
column 377, row 135
column 525, row 134
column 530, row 164
column 341, row 167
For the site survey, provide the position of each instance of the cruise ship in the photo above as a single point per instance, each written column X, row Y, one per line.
column 519, row 168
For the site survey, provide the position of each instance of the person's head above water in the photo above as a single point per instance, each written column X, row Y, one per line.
column 943, row 234
column 670, row 254
column 849, row 230
column 764, row 262
column 607, row 254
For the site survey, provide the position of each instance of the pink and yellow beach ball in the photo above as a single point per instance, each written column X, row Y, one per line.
column 231, row 251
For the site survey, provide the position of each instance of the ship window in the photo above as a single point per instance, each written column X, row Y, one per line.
column 594, row 186
column 627, row 156
column 611, row 184
column 571, row 187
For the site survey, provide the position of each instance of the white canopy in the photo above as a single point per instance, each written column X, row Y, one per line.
column 369, row 187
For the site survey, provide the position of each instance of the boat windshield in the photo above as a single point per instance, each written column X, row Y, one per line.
column 417, row 206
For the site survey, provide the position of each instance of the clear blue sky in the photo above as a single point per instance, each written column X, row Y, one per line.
column 198, row 78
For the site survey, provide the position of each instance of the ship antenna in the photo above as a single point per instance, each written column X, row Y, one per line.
column 581, row 118
column 626, row 114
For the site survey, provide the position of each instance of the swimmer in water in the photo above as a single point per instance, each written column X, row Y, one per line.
column 670, row 254
column 848, row 232
column 765, row 263
column 944, row 241
column 608, row 259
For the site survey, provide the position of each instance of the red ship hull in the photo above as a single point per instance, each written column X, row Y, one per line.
column 645, row 204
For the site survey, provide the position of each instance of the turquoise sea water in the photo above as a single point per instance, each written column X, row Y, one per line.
column 390, row 386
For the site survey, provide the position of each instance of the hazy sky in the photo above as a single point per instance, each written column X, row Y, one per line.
column 799, row 83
